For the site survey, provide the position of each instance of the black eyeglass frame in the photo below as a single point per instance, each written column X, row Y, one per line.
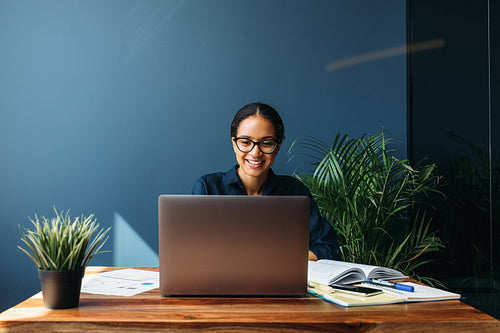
column 256, row 143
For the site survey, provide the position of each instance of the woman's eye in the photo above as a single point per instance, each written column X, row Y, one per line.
column 268, row 144
column 245, row 142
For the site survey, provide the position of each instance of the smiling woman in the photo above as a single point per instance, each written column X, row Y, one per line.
column 257, row 132
column 256, row 147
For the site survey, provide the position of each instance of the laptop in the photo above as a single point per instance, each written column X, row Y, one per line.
column 233, row 245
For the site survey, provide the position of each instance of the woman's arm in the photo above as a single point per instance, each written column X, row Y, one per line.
column 312, row 256
column 322, row 238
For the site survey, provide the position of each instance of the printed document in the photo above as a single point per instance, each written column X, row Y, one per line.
column 123, row 282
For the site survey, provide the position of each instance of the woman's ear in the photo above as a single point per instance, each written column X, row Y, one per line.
column 234, row 145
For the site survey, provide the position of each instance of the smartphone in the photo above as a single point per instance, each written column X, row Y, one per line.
column 356, row 290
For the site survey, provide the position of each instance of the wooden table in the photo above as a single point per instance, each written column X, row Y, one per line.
column 150, row 312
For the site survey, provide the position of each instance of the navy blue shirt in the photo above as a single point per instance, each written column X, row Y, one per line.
column 322, row 240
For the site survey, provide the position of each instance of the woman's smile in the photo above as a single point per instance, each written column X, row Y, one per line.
column 255, row 163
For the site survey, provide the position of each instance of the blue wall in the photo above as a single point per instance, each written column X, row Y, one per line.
column 104, row 105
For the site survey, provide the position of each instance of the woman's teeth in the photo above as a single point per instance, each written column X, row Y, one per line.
column 255, row 162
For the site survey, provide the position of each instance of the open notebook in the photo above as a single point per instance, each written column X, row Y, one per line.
column 323, row 273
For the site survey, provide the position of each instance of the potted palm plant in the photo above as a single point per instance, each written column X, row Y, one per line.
column 61, row 248
column 374, row 201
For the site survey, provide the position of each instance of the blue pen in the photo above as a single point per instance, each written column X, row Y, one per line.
column 389, row 284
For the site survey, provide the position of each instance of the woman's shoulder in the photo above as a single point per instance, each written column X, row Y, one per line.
column 215, row 183
column 213, row 175
column 291, row 185
column 229, row 175
column 210, row 178
column 287, row 179
column 203, row 184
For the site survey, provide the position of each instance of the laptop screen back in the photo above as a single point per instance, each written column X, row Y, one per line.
column 233, row 245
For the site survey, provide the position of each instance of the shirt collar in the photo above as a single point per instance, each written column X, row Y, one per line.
column 231, row 177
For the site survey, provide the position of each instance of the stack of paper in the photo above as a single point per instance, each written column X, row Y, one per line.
column 389, row 296
column 348, row 300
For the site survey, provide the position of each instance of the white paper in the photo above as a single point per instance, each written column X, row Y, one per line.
column 421, row 293
column 123, row 282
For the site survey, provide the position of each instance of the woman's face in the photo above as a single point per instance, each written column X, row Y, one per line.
column 255, row 163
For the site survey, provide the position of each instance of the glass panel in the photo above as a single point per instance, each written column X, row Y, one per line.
column 451, row 124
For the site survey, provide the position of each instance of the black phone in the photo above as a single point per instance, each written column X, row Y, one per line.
column 356, row 290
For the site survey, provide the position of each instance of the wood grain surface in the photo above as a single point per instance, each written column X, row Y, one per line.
column 150, row 312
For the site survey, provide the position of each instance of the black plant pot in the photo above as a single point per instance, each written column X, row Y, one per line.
column 61, row 289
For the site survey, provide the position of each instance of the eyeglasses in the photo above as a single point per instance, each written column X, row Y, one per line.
column 266, row 146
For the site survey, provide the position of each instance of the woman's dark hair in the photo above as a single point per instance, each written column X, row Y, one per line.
column 263, row 110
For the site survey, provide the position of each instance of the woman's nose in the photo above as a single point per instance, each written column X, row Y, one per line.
column 255, row 151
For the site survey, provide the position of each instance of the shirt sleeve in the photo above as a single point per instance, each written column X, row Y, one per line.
column 199, row 187
column 322, row 237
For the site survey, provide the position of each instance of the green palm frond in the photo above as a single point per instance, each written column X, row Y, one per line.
column 367, row 195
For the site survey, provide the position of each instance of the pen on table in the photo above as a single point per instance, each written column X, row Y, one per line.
column 389, row 284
